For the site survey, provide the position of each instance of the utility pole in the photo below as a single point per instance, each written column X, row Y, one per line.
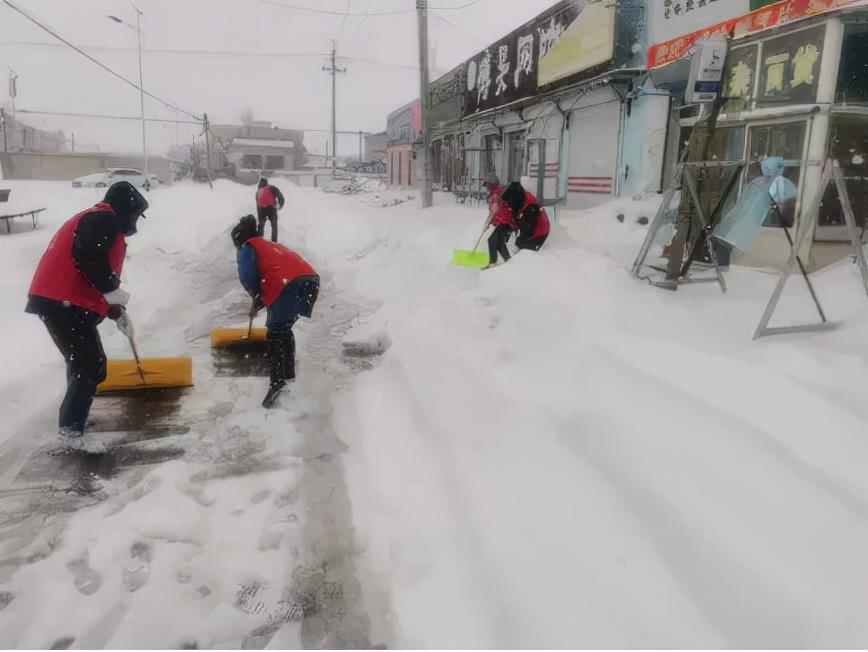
column 3, row 124
column 424, row 101
column 208, row 149
column 13, row 88
column 138, row 29
column 360, row 146
column 334, row 70
column 142, row 95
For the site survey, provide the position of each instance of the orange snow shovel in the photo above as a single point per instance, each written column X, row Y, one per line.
column 227, row 337
column 150, row 373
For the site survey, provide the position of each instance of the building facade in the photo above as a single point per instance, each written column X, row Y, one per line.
column 402, row 131
column 375, row 147
column 16, row 136
column 256, row 147
column 554, row 103
column 797, row 79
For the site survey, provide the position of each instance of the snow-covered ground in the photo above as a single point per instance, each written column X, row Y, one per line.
column 547, row 454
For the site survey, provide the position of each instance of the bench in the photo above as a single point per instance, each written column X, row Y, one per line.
column 12, row 216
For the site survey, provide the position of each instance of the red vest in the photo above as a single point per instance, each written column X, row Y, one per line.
column 57, row 276
column 278, row 266
column 265, row 197
column 542, row 226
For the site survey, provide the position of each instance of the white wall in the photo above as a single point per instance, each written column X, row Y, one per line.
column 643, row 146
column 593, row 148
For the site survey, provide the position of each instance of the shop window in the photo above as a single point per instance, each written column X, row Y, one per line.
column 853, row 72
column 683, row 140
column 785, row 140
column 848, row 144
column 727, row 144
column 251, row 162
column 516, row 161
column 790, row 67
column 274, row 163
column 740, row 76
column 491, row 157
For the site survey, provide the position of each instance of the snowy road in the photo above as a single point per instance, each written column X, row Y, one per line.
column 546, row 454
column 153, row 529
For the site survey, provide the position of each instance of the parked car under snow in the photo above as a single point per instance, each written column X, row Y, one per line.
column 108, row 177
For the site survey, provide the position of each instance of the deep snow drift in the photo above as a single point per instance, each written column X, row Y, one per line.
column 549, row 453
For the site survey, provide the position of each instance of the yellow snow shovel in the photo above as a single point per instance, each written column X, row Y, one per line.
column 227, row 337
column 478, row 260
column 150, row 373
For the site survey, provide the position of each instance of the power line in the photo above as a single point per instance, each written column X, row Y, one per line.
column 379, row 13
column 105, row 117
column 344, row 19
column 377, row 62
column 458, row 27
column 230, row 53
column 227, row 53
column 97, row 61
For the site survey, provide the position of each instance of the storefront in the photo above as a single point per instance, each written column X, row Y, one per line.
column 402, row 129
column 549, row 103
column 447, row 139
column 794, row 95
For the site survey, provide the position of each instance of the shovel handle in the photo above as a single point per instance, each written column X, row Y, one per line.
column 252, row 315
column 138, row 361
column 484, row 229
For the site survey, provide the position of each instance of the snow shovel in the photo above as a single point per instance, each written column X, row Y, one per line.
column 227, row 337
column 150, row 373
column 464, row 258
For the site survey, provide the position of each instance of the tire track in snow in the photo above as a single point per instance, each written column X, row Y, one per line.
column 746, row 606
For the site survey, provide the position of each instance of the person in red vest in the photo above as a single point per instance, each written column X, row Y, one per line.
column 504, row 224
column 284, row 283
column 530, row 218
column 268, row 201
column 76, row 286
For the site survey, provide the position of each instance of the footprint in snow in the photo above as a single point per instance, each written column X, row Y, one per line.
column 6, row 597
column 62, row 643
column 85, row 579
column 135, row 573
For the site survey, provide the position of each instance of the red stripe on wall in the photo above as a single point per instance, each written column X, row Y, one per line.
column 590, row 185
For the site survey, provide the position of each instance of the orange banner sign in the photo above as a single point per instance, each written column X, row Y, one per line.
column 776, row 15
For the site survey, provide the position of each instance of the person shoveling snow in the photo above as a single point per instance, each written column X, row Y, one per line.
column 516, row 209
column 286, row 284
column 75, row 287
column 269, row 200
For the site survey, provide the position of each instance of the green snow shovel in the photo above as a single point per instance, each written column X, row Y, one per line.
column 478, row 260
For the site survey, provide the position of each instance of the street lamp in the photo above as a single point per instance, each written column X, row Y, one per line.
column 138, row 29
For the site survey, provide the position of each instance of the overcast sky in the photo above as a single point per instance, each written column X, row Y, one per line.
column 289, row 91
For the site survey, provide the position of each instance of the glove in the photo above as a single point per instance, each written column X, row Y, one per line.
column 117, row 297
column 125, row 324
column 115, row 311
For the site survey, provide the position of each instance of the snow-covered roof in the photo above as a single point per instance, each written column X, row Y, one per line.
column 255, row 142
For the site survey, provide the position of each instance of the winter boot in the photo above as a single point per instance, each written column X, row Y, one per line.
column 281, row 358
column 274, row 390
column 75, row 440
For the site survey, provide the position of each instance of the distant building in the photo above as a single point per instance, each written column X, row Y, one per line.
column 258, row 146
column 375, row 147
column 402, row 129
column 259, row 154
column 15, row 136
